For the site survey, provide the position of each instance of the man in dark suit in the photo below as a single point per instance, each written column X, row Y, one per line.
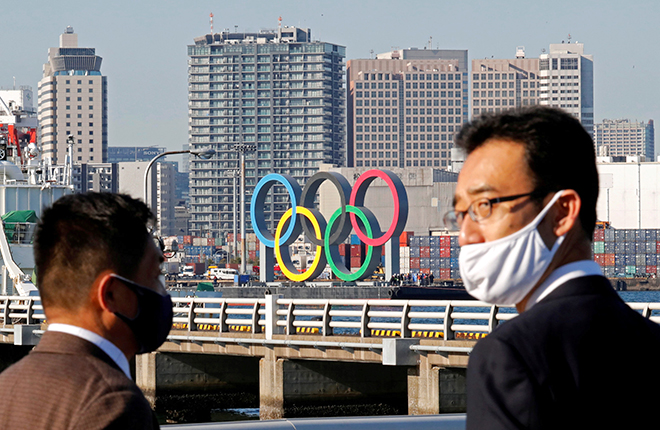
column 577, row 356
column 98, row 274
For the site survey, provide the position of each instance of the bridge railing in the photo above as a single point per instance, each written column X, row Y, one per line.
column 363, row 318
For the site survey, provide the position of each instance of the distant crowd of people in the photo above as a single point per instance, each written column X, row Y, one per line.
column 421, row 279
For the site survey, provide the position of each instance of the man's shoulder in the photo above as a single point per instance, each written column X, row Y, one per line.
column 78, row 386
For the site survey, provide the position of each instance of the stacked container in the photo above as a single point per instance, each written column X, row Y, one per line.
column 627, row 253
column 433, row 254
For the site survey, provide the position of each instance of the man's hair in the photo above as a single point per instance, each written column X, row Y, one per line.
column 558, row 150
column 80, row 236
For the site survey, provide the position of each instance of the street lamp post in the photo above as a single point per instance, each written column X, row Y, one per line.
column 205, row 154
column 242, row 148
column 234, row 173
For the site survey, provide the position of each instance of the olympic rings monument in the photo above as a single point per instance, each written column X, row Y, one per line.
column 352, row 215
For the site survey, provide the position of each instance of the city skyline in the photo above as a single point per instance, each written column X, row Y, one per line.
column 144, row 46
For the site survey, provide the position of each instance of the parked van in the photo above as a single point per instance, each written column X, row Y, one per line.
column 222, row 273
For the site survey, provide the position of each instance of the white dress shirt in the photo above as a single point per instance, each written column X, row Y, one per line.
column 108, row 347
column 561, row 275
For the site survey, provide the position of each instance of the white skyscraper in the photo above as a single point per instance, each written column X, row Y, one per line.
column 567, row 81
column 73, row 101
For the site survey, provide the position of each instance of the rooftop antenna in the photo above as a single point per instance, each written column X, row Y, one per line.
column 236, row 29
column 569, row 37
column 211, row 21
column 371, row 51
column 430, row 42
column 279, row 27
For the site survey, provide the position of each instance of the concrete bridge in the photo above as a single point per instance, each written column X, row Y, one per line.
column 411, row 353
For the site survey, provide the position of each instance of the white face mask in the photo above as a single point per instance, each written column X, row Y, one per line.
column 504, row 271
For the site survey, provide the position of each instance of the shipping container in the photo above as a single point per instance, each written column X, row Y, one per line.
column 630, row 260
column 608, row 235
column 187, row 240
column 453, row 253
column 435, row 252
column 608, row 259
column 414, row 263
column 425, row 270
column 434, row 241
column 445, row 252
column 599, row 247
column 640, row 235
column 444, row 263
column 414, row 252
column 424, row 262
column 445, row 241
column 444, row 274
column 651, row 269
column 619, row 235
column 651, row 235
column 424, row 252
column 610, row 248
column 454, row 241
column 631, row 235
column 609, row 272
column 356, row 262
column 640, row 260
column 651, row 259
column 599, row 235
column 415, row 241
column 631, row 248
column 631, row 269
column 453, row 263
column 404, row 239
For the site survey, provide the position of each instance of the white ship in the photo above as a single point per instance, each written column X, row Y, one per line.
column 26, row 184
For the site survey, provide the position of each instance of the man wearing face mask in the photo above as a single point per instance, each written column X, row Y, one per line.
column 98, row 274
column 576, row 356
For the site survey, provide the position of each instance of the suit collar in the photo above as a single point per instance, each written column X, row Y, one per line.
column 67, row 344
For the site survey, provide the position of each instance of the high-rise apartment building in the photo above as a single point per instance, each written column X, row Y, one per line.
column 623, row 137
column 405, row 106
column 567, row 81
column 499, row 84
column 73, row 102
column 278, row 90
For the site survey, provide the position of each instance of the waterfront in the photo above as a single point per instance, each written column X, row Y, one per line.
column 245, row 412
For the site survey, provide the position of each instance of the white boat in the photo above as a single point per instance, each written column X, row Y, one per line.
column 26, row 184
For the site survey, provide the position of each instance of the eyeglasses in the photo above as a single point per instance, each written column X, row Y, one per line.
column 478, row 210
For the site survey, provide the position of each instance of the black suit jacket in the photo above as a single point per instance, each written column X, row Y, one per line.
column 69, row 383
column 580, row 358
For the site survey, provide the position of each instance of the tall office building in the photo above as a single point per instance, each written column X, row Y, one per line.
column 623, row 137
column 73, row 101
column 562, row 78
column 405, row 106
column 501, row 84
column 277, row 90
column 567, row 81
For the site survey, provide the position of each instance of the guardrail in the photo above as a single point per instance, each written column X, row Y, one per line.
column 363, row 318
column 418, row 422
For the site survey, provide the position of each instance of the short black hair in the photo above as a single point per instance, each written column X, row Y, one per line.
column 80, row 236
column 559, row 152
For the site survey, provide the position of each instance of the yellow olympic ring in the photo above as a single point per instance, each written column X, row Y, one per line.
column 290, row 272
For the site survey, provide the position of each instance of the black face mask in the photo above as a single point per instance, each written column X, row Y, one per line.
column 153, row 321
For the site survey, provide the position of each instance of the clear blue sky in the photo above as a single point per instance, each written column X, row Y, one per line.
column 143, row 44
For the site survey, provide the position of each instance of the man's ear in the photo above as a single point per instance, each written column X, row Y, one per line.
column 567, row 212
column 106, row 292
